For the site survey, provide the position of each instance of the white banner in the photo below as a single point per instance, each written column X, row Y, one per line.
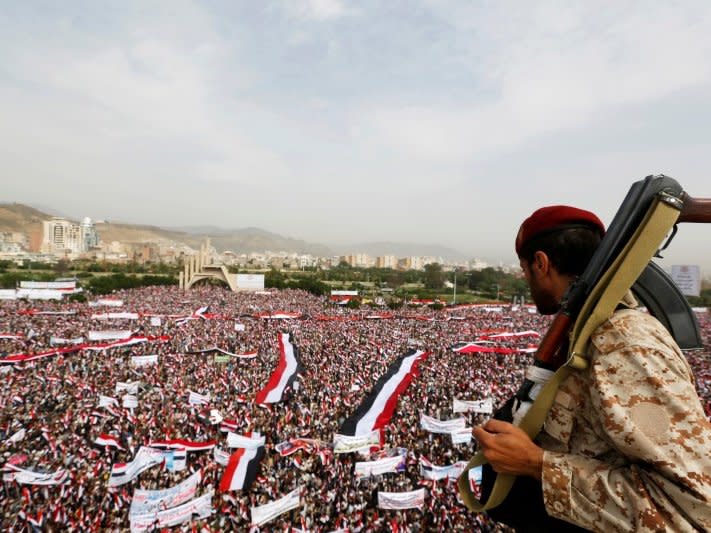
column 430, row 471
column 156, row 321
column 131, row 387
column 265, row 513
column 55, row 285
column 115, row 316
column 130, row 401
column 379, row 467
column 462, row 436
column 202, row 507
column 107, row 401
column 58, row 341
column 41, row 294
column 122, row 473
column 107, row 302
column 29, row 477
column 151, row 501
column 17, row 436
column 441, row 426
column 239, row 327
column 401, row 500
column 240, row 441
column 485, row 407
column 144, row 360
column 8, row 294
column 250, row 282
column 195, row 398
column 348, row 443
column 109, row 335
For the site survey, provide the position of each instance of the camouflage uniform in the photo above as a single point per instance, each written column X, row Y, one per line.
column 627, row 444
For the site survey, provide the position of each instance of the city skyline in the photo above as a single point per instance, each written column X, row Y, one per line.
column 334, row 122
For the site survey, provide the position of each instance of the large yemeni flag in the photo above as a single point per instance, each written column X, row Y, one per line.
column 378, row 407
column 241, row 470
column 285, row 372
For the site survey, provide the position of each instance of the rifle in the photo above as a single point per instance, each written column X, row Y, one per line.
column 629, row 216
column 653, row 206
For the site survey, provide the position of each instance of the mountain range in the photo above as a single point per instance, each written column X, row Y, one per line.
column 16, row 217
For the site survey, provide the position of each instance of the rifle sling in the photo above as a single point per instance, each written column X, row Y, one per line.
column 598, row 307
column 621, row 275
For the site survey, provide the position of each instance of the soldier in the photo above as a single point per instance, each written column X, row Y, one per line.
column 626, row 445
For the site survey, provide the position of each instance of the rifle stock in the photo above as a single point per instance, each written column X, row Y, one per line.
column 695, row 209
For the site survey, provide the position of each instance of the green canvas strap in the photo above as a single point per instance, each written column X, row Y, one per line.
column 621, row 275
column 531, row 423
column 598, row 307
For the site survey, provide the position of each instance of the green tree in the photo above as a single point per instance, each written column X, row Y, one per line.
column 434, row 276
column 353, row 303
column 61, row 267
column 274, row 279
column 311, row 285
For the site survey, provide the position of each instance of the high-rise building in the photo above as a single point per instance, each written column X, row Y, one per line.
column 61, row 236
column 386, row 261
column 359, row 260
column 89, row 235
column 412, row 263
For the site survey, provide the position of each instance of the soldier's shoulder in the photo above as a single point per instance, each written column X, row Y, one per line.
column 631, row 327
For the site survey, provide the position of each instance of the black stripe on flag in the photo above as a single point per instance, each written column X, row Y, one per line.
column 349, row 426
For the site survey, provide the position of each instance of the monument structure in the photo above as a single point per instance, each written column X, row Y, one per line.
column 200, row 267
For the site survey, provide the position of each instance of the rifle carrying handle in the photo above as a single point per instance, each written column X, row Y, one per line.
column 695, row 209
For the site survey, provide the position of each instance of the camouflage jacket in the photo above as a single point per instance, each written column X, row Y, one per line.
column 627, row 444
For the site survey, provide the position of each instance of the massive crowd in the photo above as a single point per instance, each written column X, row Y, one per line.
column 50, row 416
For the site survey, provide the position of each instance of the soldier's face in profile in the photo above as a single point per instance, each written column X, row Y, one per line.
column 545, row 301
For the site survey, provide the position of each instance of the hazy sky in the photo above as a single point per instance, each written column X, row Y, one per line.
column 333, row 121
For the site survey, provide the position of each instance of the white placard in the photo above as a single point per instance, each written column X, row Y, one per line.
column 402, row 500
column 687, row 278
column 265, row 513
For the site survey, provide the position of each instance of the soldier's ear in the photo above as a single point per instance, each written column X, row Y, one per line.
column 541, row 262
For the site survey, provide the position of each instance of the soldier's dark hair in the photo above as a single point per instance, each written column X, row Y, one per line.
column 568, row 249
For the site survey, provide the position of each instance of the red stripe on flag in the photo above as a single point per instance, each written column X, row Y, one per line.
column 226, row 481
column 276, row 375
column 389, row 408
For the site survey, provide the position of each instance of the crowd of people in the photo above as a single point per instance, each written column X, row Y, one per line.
column 50, row 417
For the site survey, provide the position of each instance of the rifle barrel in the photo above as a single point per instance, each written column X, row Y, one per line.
column 695, row 209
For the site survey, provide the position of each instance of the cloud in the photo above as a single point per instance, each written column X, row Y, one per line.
column 318, row 10
column 139, row 90
column 388, row 120
column 540, row 70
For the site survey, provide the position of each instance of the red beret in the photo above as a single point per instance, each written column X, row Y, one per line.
column 555, row 217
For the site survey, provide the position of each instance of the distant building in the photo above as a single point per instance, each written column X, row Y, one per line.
column 89, row 235
column 477, row 264
column 359, row 260
column 13, row 242
column 141, row 252
column 386, row 261
column 62, row 236
column 411, row 263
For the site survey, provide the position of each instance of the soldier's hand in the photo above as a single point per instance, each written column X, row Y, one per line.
column 508, row 449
